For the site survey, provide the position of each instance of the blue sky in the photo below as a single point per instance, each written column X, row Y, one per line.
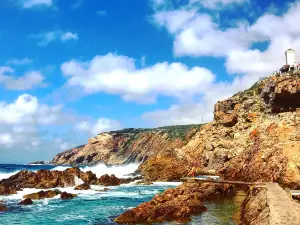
column 72, row 69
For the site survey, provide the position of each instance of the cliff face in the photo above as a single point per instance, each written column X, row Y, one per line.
column 128, row 145
column 255, row 136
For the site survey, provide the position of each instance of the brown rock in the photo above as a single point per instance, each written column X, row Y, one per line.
column 43, row 194
column 26, row 201
column 173, row 204
column 3, row 208
column 47, row 179
column 84, row 186
column 107, row 180
column 66, row 196
column 6, row 190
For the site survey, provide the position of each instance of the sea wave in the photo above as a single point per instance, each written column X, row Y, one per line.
column 4, row 175
column 122, row 171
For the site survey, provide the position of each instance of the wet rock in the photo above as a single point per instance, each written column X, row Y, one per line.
column 3, row 208
column 6, row 190
column 173, row 204
column 111, row 180
column 43, row 194
column 255, row 209
column 26, row 201
column 143, row 182
column 66, row 196
column 48, row 178
column 84, row 186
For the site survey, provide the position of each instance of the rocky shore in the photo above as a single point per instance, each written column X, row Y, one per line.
column 175, row 204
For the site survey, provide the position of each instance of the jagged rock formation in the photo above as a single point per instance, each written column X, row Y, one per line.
column 127, row 146
column 175, row 204
column 255, row 136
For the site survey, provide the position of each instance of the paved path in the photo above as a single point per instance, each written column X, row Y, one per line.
column 201, row 180
column 283, row 211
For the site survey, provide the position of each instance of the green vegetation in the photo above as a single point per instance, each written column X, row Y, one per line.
column 174, row 132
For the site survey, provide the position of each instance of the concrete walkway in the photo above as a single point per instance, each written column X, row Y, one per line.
column 283, row 210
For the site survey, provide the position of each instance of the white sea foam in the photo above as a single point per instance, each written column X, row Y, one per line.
column 7, row 175
column 61, row 168
column 120, row 171
column 100, row 169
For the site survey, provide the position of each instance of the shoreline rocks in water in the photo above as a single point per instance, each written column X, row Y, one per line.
column 26, row 201
column 3, row 208
column 43, row 194
column 46, row 179
column 67, row 196
column 84, row 186
column 175, row 204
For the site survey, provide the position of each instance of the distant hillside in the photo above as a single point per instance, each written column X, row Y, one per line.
column 127, row 145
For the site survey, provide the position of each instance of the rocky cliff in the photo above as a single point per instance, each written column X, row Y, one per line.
column 255, row 136
column 128, row 145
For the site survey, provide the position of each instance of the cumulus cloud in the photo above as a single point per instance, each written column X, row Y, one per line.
column 115, row 74
column 35, row 3
column 69, row 36
column 27, row 128
column 29, row 80
column 46, row 38
column 101, row 125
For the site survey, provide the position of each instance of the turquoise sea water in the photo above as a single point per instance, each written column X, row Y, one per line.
column 94, row 207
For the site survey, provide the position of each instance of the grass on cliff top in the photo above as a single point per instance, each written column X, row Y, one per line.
column 174, row 132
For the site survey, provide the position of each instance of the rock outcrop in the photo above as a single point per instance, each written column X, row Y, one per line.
column 255, row 210
column 43, row 194
column 3, row 208
column 84, row 186
column 67, row 196
column 175, row 204
column 46, row 179
column 26, row 201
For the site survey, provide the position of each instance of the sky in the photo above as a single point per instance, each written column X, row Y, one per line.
column 72, row 69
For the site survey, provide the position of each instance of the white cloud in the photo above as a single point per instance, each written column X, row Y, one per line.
column 24, row 61
column 46, row 38
column 116, row 74
column 34, row 3
column 27, row 110
column 29, row 80
column 101, row 125
column 69, row 36
column 28, row 129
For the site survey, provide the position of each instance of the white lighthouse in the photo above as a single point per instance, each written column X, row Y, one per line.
column 290, row 57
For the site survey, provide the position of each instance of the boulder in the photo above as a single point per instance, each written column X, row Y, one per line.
column 26, row 201
column 43, row 194
column 84, row 186
column 174, row 204
column 111, row 180
column 144, row 183
column 66, row 196
column 3, row 208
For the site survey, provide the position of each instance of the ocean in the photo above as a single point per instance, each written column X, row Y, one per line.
column 94, row 207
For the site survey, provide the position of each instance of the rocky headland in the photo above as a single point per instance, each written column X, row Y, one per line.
column 255, row 136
